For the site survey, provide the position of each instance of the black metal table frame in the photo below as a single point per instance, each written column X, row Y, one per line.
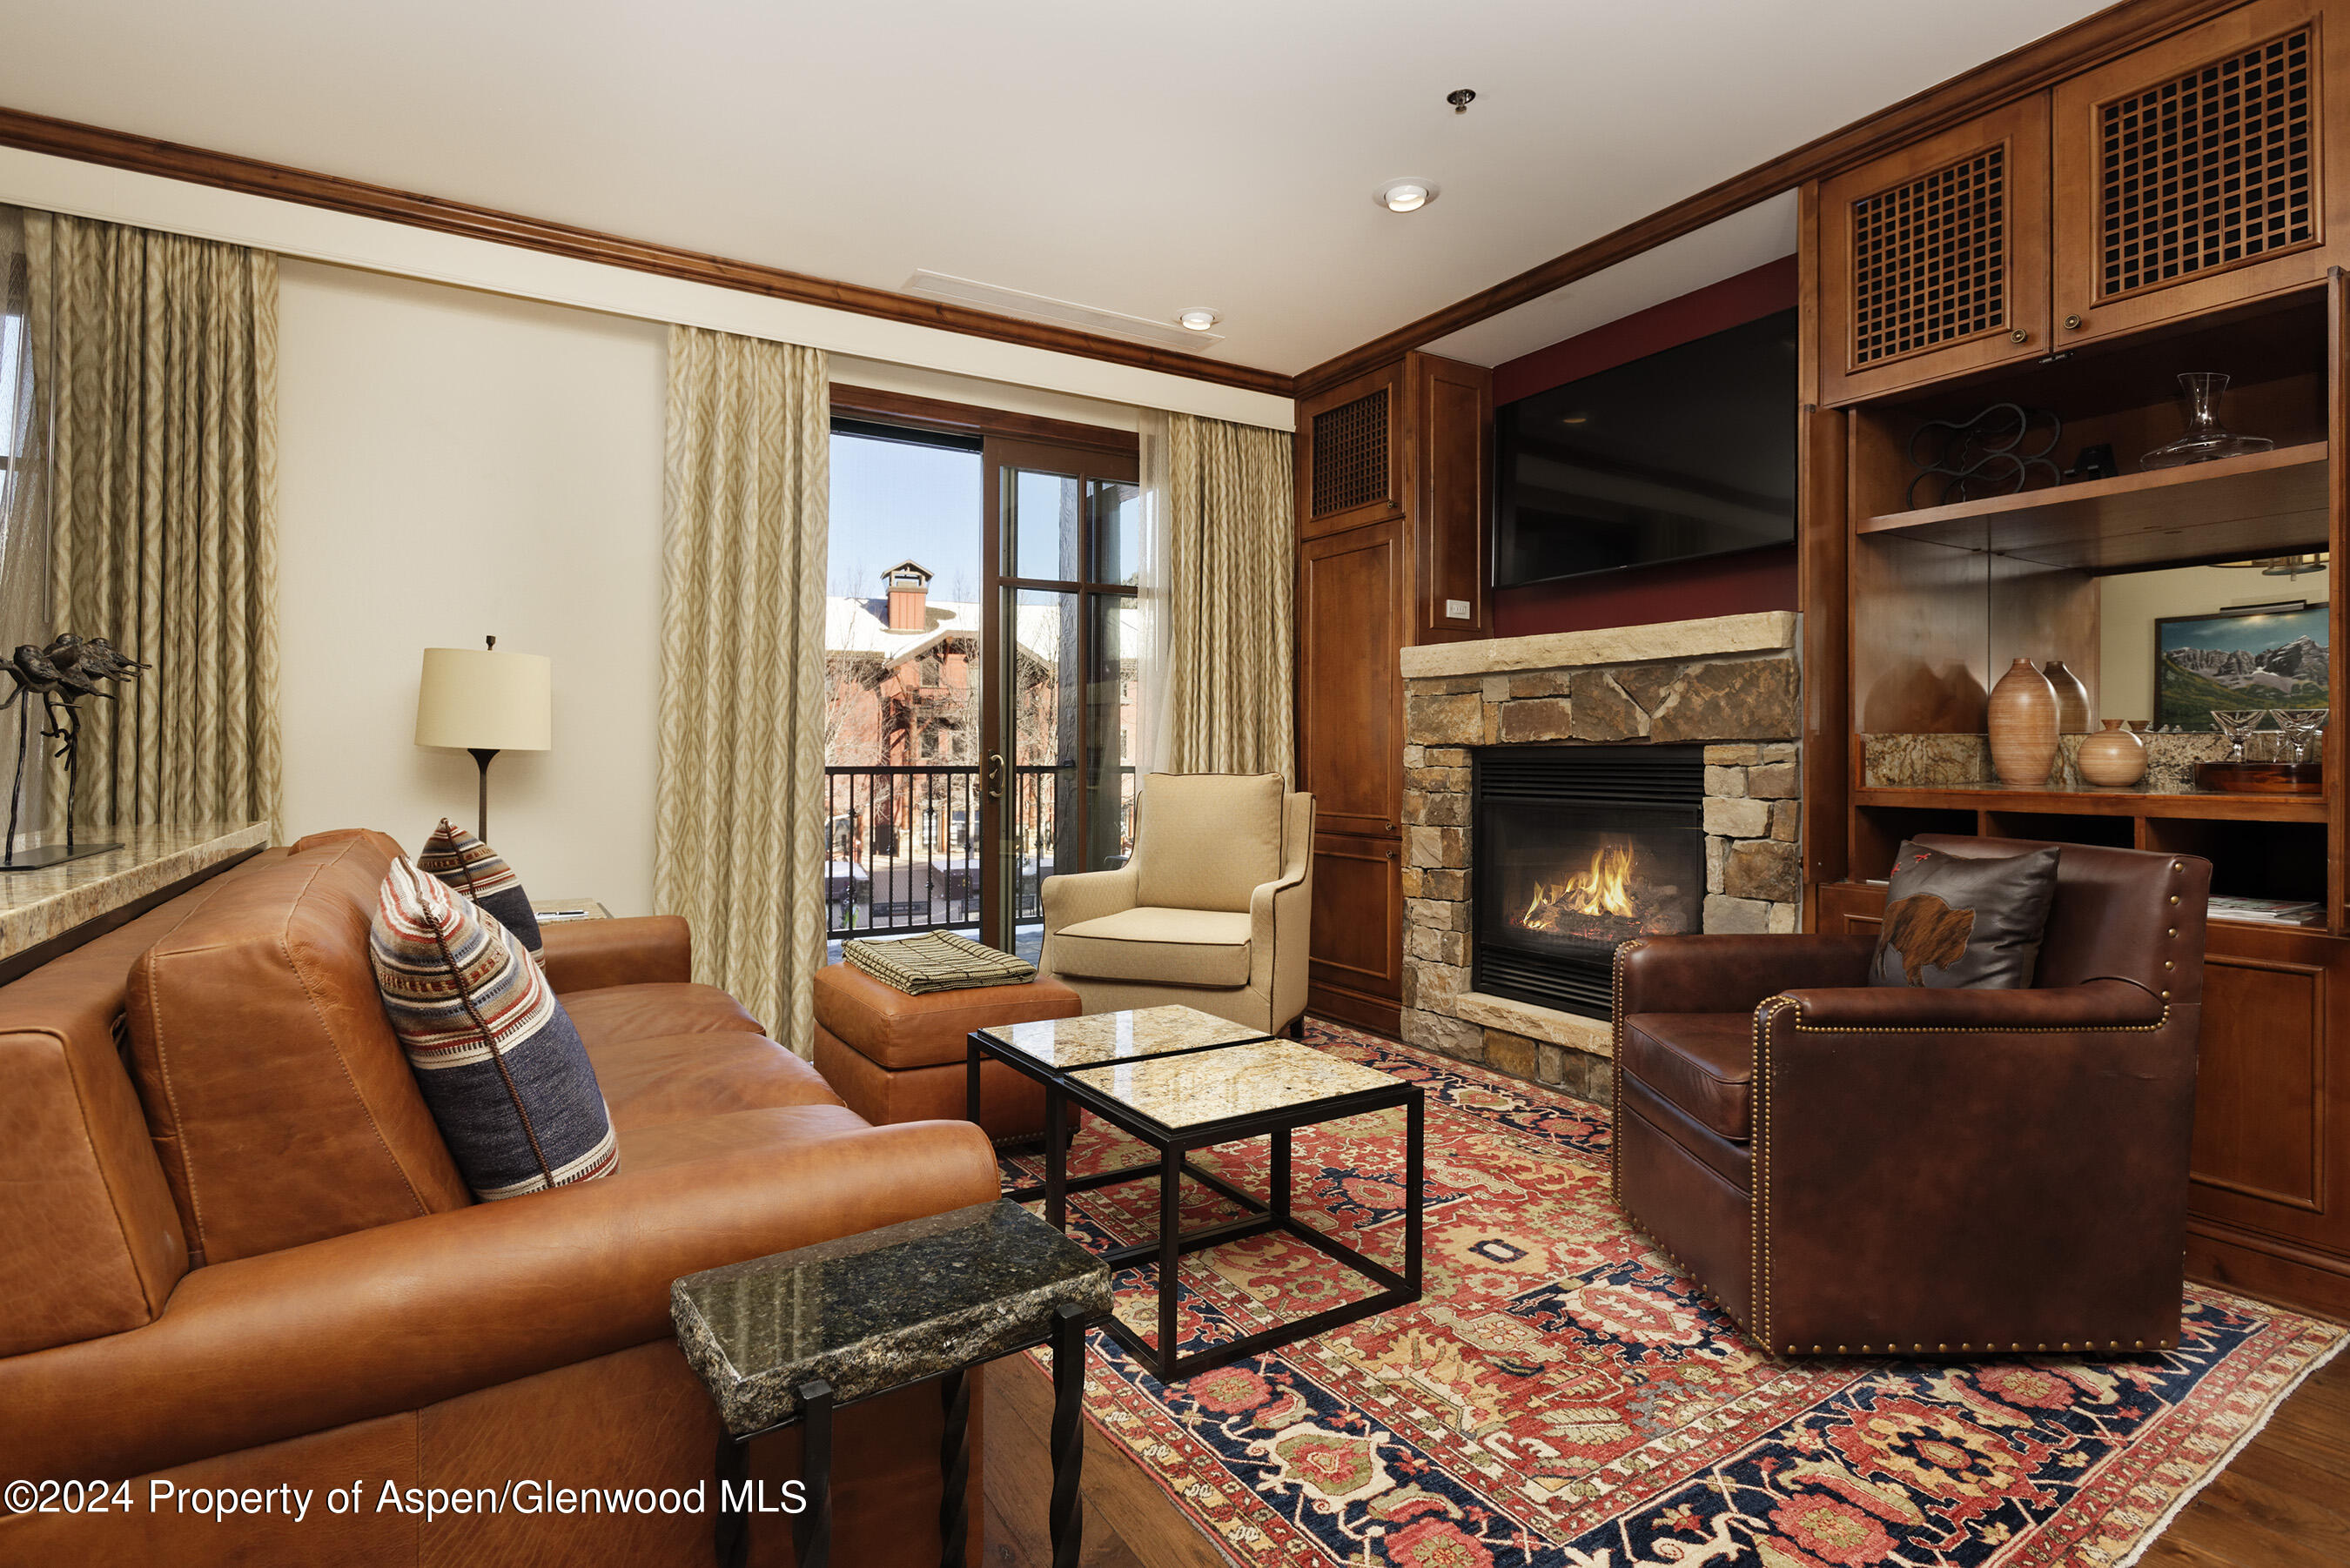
column 812, row 1526
column 1061, row 1086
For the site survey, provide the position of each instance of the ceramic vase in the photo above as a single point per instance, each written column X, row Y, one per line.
column 2115, row 757
column 2023, row 722
column 2071, row 699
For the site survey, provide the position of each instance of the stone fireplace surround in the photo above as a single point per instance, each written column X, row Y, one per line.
column 1729, row 681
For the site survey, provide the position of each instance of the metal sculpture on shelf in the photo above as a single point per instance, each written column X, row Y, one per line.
column 1998, row 453
column 61, row 675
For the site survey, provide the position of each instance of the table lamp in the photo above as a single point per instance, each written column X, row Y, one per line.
column 484, row 702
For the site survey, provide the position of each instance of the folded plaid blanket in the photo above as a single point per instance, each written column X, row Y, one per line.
column 936, row 960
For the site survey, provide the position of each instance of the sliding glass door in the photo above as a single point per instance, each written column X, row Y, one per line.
column 980, row 680
column 1062, row 536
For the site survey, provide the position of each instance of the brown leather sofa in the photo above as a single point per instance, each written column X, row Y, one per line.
column 1856, row 1168
column 234, row 1251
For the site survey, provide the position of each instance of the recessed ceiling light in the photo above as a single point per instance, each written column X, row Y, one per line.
column 1405, row 195
column 1198, row 318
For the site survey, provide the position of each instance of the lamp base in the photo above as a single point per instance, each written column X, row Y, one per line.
column 482, row 757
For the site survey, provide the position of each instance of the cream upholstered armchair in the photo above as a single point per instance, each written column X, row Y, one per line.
column 1210, row 911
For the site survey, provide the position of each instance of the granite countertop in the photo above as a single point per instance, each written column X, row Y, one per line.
column 874, row 1312
column 1103, row 1037
column 1237, row 1081
column 37, row 904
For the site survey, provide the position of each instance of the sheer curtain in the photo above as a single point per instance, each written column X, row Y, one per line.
column 1215, row 598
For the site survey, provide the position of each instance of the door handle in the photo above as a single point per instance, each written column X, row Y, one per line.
column 994, row 775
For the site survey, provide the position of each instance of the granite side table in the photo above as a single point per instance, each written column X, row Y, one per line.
column 792, row 1337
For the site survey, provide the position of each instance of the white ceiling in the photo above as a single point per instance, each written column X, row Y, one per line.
column 1135, row 159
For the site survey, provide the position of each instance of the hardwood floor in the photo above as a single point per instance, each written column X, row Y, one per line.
column 2284, row 1504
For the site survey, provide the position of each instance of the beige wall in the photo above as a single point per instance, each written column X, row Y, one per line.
column 2130, row 604
column 453, row 463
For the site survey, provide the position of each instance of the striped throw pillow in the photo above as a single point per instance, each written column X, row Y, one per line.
column 503, row 1070
column 481, row 874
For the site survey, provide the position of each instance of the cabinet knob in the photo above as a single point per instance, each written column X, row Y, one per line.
column 2018, row 336
column 2072, row 323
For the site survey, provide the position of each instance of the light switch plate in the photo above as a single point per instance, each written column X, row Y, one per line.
column 1456, row 610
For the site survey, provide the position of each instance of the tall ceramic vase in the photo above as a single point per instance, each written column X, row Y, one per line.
column 2071, row 699
column 2022, row 727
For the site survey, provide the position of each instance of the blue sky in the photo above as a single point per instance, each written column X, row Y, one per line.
column 892, row 500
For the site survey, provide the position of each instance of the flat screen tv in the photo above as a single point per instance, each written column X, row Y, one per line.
column 1689, row 452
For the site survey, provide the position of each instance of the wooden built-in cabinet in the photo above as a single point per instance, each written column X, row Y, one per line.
column 1391, row 500
column 2184, row 178
column 2184, row 215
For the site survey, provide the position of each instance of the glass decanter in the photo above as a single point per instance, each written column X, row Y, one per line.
column 2206, row 438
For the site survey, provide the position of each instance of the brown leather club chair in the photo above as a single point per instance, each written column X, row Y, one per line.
column 1857, row 1168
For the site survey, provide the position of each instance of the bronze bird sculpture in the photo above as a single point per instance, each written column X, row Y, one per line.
column 35, row 670
column 114, row 656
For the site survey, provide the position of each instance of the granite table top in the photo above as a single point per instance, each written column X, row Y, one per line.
column 874, row 1312
column 35, row 905
column 1103, row 1037
column 1237, row 1081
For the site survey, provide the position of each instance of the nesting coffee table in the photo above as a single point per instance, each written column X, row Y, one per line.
column 1178, row 1080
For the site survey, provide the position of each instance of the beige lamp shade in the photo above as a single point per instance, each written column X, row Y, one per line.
column 482, row 701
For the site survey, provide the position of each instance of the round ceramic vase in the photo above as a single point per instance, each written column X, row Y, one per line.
column 2023, row 722
column 2114, row 758
column 2071, row 699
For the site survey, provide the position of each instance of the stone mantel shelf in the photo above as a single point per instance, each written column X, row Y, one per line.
column 39, row 905
column 1762, row 631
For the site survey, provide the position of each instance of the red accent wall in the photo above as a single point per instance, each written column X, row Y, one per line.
column 1686, row 591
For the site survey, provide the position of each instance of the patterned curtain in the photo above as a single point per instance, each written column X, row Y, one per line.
column 155, row 374
column 738, row 845
column 1216, row 592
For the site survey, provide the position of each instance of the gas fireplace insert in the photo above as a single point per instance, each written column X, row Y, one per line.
column 1574, row 850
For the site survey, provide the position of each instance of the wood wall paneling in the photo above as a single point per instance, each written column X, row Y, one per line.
column 2083, row 308
column 1826, row 644
column 1351, row 599
column 1357, row 972
column 1920, row 638
column 1454, row 405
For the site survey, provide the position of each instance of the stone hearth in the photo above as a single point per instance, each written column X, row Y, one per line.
column 1729, row 683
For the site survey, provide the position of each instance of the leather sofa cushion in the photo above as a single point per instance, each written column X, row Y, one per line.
column 1209, row 841
column 895, row 1031
column 280, row 1102
column 614, row 1013
column 1703, row 1062
column 655, row 1079
column 1168, row 946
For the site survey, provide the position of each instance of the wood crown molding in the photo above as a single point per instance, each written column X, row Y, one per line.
column 2068, row 52
column 252, row 176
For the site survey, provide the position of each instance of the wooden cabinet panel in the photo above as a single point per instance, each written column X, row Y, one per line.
column 1453, row 406
column 1359, row 922
column 2258, row 1116
column 1349, row 687
column 1353, row 454
column 1934, row 259
column 2191, row 174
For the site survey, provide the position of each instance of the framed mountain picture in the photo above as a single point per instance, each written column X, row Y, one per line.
column 2238, row 658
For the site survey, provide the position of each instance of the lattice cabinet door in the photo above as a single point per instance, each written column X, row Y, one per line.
column 2191, row 174
column 1352, row 454
column 1934, row 259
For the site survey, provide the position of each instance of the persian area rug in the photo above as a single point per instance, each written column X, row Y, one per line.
column 1563, row 1397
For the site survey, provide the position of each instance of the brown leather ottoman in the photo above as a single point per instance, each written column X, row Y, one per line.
column 899, row 1058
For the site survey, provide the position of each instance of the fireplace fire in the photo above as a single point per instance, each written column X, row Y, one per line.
column 1575, row 849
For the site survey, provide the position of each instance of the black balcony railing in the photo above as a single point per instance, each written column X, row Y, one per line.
column 904, row 851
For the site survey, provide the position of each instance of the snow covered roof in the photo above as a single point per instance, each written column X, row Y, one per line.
column 862, row 626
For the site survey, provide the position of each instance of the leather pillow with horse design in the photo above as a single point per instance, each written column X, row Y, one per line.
column 1954, row 920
